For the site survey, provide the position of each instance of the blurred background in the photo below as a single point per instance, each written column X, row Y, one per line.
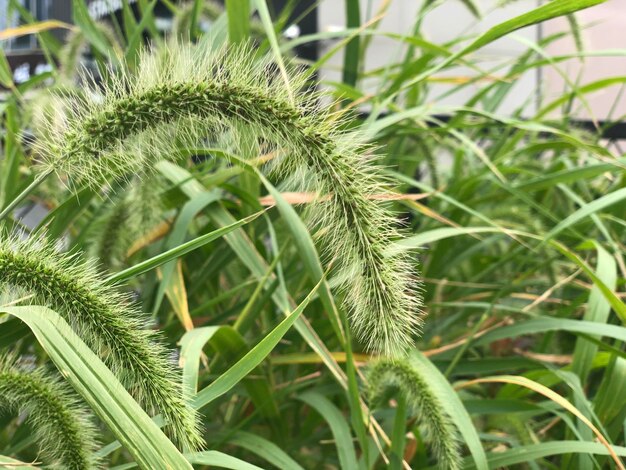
column 503, row 146
column 600, row 28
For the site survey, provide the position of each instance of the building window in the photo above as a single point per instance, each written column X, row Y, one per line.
column 40, row 11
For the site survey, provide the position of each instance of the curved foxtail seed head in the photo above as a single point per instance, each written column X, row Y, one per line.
column 108, row 323
column 77, row 43
column 192, row 92
column 61, row 424
column 127, row 217
column 405, row 376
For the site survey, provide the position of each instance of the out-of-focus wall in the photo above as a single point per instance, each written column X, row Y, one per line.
column 603, row 28
column 452, row 20
column 447, row 22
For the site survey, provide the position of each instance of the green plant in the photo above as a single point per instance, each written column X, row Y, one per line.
column 199, row 89
column 416, row 393
column 132, row 213
column 61, row 424
column 182, row 179
column 108, row 323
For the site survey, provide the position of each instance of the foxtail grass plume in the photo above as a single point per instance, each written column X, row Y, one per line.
column 62, row 427
column 126, row 217
column 107, row 322
column 186, row 93
column 405, row 376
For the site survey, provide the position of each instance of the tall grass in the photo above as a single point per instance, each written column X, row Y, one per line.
column 208, row 185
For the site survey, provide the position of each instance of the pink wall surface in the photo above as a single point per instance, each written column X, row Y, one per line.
column 603, row 27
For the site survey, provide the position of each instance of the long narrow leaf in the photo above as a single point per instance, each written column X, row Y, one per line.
column 179, row 251
column 233, row 376
column 454, row 408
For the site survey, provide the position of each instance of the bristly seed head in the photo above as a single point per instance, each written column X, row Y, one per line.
column 405, row 376
column 107, row 322
column 61, row 424
column 183, row 93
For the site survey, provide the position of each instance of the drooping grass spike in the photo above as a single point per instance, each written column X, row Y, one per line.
column 108, row 323
column 406, row 377
column 77, row 43
column 63, row 431
column 126, row 218
column 191, row 92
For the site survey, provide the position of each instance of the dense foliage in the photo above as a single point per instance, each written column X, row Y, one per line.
column 236, row 266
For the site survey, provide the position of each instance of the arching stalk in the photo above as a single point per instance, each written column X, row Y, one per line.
column 107, row 322
column 63, row 431
column 185, row 94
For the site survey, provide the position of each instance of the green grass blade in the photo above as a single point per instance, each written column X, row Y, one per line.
column 616, row 303
column 352, row 51
column 566, row 176
column 609, row 402
column 454, row 408
column 542, row 324
column 472, row 7
column 598, row 310
column 252, row 259
column 232, row 347
column 130, row 23
column 134, row 40
column 338, row 426
column 177, row 252
column 398, row 436
column 85, row 22
column 265, row 449
column 177, row 236
column 218, row 459
column 58, row 220
column 6, row 76
column 266, row 20
column 191, row 345
column 13, row 155
column 252, row 359
column 587, row 210
column 545, row 12
column 238, row 20
column 588, row 88
column 415, row 242
column 308, row 253
column 535, row 452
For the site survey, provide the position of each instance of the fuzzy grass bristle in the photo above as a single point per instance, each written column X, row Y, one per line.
column 126, row 217
column 61, row 424
column 108, row 323
column 405, row 376
column 191, row 92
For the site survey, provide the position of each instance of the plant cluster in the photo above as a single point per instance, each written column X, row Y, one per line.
column 235, row 254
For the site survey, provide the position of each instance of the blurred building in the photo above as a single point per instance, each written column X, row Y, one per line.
column 26, row 58
column 23, row 53
column 601, row 27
